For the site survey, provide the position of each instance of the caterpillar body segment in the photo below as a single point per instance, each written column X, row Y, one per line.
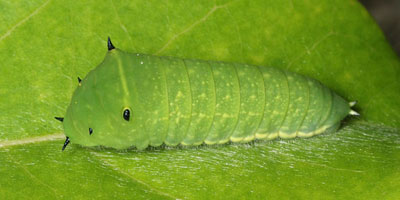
column 227, row 102
column 299, row 94
column 179, row 99
column 327, row 99
column 276, row 103
column 151, row 83
column 252, row 103
column 202, row 88
column 315, row 107
column 190, row 102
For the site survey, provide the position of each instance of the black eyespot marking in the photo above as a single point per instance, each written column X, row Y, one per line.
column 126, row 114
column 90, row 131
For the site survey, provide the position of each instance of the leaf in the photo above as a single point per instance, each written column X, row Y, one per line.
column 360, row 161
column 45, row 45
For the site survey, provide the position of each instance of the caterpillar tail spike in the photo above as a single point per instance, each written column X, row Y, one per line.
column 65, row 143
column 79, row 80
column 61, row 119
column 110, row 45
column 354, row 113
column 352, row 103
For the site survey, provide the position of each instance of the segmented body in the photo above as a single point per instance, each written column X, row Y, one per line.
column 176, row 101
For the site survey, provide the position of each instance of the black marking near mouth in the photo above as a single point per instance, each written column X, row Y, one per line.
column 65, row 143
column 61, row 119
column 110, row 45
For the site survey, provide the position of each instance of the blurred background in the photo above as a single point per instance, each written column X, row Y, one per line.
column 387, row 15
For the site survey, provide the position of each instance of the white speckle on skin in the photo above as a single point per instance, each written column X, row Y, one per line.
column 141, row 62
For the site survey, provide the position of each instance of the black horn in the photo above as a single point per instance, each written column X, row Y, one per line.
column 61, row 119
column 65, row 143
column 110, row 45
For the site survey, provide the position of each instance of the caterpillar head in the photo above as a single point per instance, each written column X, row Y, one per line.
column 101, row 109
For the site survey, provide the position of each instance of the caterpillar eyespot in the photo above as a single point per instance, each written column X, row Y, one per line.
column 190, row 102
column 126, row 114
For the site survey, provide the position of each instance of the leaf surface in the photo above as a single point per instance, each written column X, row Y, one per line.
column 45, row 45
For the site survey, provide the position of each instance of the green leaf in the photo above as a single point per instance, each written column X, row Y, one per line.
column 360, row 161
column 45, row 45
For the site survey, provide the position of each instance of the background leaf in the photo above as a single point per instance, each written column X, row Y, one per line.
column 45, row 45
column 360, row 161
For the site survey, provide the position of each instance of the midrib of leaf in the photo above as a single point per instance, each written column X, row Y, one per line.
column 10, row 143
column 61, row 136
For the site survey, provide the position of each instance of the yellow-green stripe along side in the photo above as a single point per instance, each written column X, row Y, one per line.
column 276, row 102
column 179, row 99
column 227, row 102
column 252, row 102
column 203, row 101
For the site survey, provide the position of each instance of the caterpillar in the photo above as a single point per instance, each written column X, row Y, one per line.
column 143, row 100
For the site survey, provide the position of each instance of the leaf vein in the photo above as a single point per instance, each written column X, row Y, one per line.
column 189, row 28
column 313, row 46
column 113, row 167
column 10, row 143
column 32, row 176
column 123, row 27
column 35, row 12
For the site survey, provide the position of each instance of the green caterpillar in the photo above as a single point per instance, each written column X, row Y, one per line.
column 141, row 100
